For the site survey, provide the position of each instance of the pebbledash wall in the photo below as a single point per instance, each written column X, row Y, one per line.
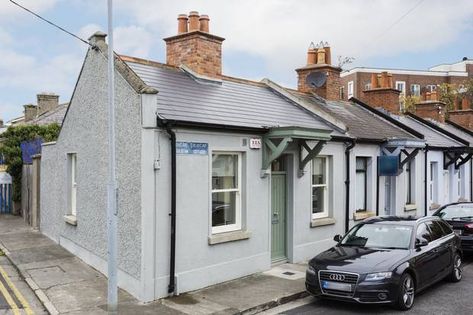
column 84, row 132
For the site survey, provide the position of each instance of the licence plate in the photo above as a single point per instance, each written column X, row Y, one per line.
column 458, row 232
column 336, row 286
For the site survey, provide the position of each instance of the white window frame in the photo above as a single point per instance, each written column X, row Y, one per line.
column 350, row 89
column 368, row 86
column 72, row 179
column 238, row 208
column 365, row 184
column 459, row 178
column 413, row 90
column 433, row 189
column 403, row 89
column 411, row 182
column 326, row 186
column 431, row 87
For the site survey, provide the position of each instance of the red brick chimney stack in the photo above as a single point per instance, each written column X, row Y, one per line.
column 319, row 60
column 194, row 46
column 382, row 94
column 431, row 107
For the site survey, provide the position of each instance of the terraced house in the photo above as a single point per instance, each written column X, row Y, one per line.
column 221, row 177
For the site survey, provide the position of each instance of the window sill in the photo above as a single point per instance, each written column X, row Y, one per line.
column 410, row 207
column 434, row 206
column 229, row 237
column 361, row 215
column 70, row 219
column 322, row 222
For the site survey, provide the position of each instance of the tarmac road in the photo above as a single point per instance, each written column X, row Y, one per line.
column 442, row 298
column 16, row 298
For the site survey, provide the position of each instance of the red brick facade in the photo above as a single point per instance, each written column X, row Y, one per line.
column 197, row 49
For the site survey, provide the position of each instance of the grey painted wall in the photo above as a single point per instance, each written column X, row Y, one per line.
column 84, row 132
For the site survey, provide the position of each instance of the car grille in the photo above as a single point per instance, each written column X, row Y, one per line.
column 340, row 277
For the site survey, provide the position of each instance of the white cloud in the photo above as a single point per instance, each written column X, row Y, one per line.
column 88, row 30
column 132, row 40
column 10, row 11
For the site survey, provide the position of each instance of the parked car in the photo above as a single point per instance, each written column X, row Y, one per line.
column 460, row 216
column 386, row 260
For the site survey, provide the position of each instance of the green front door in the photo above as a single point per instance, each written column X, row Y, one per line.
column 278, row 216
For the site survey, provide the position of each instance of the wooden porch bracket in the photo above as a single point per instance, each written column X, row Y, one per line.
column 272, row 151
column 409, row 156
column 311, row 154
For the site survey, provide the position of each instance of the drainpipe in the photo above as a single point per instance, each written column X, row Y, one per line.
column 347, row 184
column 172, row 259
column 377, row 186
column 471, row 180
column 425, row 179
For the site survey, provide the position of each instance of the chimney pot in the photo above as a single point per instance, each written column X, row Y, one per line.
column 321, row 56
column 98, row 39
column 204, row 23
column 384, row 79
column 374, row 81
column 328, row 54
column 312, row 55
column 182, row 23
column 194, row 21
column 390, row 80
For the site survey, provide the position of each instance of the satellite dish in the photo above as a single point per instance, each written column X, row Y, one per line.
column 316, row 79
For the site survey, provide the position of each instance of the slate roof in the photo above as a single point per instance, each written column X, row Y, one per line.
column 234, row 102
column 361, row 123
column 454, row 130
column 431, row 136
column 53, row 116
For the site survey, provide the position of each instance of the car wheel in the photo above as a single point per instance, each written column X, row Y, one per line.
column 405, row 299
column 457, row 270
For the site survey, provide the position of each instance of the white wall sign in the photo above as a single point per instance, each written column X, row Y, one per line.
column 255, row 143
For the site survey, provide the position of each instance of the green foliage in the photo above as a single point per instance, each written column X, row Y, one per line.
column 10, row 142
column 448, row 94
column 409, row 103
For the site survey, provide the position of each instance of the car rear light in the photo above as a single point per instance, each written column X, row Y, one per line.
column 469, row 227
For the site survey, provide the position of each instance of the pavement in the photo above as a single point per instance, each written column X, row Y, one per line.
column 55, row 281
column 442, row 298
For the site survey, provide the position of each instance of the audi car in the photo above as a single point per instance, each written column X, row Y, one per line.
column 386, row 260
column 460, row 217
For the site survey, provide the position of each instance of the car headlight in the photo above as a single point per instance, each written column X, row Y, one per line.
column 311, row 270
column 378, row 276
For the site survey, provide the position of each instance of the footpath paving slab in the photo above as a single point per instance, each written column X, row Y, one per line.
column 66, row 285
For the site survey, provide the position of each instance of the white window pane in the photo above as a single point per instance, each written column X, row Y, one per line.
column 224, row 205
column 319, row 176
column 224, row 171
column 360, row 190
column 361, row 164
column 318, row 199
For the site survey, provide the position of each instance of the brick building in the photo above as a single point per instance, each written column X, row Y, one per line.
column 408, row 82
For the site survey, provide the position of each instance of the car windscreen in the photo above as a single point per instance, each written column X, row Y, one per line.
column 457, row 212
column 387, row 236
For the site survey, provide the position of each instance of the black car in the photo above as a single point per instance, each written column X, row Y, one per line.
column 460, row 216
column 386, row 260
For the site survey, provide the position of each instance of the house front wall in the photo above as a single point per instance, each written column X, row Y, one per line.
column 84, row 133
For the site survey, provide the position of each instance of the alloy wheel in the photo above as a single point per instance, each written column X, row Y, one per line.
column 457, row 268
column 408, row 291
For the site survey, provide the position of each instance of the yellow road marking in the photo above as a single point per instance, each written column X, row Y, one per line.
column 9, row 299
column 18, row 294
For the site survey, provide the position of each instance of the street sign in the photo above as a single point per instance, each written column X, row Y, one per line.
column 198, row 148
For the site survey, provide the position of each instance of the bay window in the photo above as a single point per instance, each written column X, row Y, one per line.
column 320, row 187
column 226, row 192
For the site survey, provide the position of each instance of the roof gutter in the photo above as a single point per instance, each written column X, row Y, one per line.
column 388, row 118
column 214, row 127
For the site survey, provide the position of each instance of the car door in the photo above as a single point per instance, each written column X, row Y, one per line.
column 444, row 241
column 425, row 257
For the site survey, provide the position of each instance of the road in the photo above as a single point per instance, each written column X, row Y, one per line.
column 16, row 297
column 442, row 298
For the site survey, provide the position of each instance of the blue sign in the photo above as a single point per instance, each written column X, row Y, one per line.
column 192, row 148
column 388, row 165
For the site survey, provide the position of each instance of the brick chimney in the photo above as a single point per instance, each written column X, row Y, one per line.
column 319, row 60
column 194, row 46
column 47, row 102
column 1, row 123
column 31, row 112
column 431, row 107
column 382, row 94
column 463, row 116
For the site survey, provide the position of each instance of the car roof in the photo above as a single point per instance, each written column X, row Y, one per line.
column 398, row 220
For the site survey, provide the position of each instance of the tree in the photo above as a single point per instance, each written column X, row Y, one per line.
column 10, row 142
column 409, row 103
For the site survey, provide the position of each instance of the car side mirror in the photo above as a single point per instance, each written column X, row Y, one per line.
column 337, row 238
column 421, row 242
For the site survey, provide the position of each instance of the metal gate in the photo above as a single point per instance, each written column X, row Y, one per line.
column 5, row 193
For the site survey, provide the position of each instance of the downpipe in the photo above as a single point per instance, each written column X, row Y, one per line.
column 350, row 146
column 425, row 180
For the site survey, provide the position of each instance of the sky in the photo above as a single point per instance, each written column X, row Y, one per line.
column 264, row 38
